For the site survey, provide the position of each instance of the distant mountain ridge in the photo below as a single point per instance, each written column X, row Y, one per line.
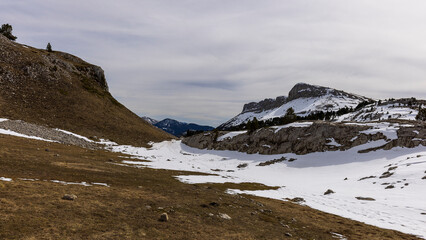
column 175, row 127
column 306, row 99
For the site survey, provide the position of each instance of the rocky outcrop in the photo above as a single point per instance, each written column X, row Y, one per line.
column 304, row 90
column 319, row 137
column 59, row 90
column 265, row 104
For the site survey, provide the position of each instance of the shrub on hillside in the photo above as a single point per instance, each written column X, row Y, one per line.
column 6, row 30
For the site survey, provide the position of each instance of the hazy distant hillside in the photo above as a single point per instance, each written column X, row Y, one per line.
column 175, row 127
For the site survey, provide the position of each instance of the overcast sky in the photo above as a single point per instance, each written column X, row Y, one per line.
column 201, row 60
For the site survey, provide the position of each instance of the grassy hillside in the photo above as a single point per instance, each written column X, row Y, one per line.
column 60, row 90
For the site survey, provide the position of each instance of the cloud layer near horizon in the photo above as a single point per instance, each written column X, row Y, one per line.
column 200, row 61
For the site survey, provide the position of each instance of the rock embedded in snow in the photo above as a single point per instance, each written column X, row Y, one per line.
column 329, row 191
column 365, row 198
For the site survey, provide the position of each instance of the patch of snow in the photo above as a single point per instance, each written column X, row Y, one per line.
column 12, row 133
column 295, row 124
column 333, row 142
column 75, row 135
column 399, row 208
column 100, row 184
column 3, row 119
column 5, row 179
column 79, row 183
column 230, row 135
column 416, row 132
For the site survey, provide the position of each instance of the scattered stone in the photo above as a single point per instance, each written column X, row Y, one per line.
column 70, row 197
column 47, row 150
column 211, row 215
column 392, row 168
column 147, row 207
column 288, row 235
column 204, row 205
column 366, row 198
column 242, row 165
column 224, row 216
column 164, row 217
column 366, row 178
column 292, row 159
column 214, row 204
column 386, row 174
column 329, row 191
column 284, row 225
column 424, row 177
column 345, row 178
column 406, row 184
column 423, row 213
column 390, row 187
column 270, row 162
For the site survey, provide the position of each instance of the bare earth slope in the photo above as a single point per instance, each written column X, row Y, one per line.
column 60, row 90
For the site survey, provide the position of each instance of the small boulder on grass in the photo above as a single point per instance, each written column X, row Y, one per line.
column 329, row 191
column 164, row 217
column 224, row 216
column 70, row 197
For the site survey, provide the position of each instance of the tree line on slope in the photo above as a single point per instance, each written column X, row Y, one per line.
column 291, row 117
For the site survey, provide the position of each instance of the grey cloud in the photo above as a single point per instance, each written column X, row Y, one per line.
column 200, row 61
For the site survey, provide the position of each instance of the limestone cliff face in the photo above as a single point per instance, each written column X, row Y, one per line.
column 61, row 90
column 304, row 90
column 265, row 104
column 318, row 137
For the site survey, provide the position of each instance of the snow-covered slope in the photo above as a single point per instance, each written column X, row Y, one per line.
column 375, row 112
column 304, row 99
column 386, row 188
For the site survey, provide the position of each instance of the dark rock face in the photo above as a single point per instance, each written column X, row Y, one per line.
column 303, row 90
column 302, row 140
column 265, row 104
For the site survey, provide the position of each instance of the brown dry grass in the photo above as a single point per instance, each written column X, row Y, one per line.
column 35, row 210
column 47, row 92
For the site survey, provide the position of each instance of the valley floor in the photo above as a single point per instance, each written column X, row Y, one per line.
column 121, row 195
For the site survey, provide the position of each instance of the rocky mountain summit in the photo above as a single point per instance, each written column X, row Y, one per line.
column 265, row 104
column 60, row 90
column 304, row 90
column 304, row 99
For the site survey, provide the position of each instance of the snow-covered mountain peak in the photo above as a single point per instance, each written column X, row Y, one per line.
column 304, row 98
